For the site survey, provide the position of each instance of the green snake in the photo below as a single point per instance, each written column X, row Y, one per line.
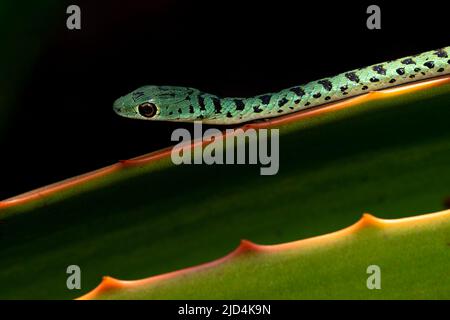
column 169, row 103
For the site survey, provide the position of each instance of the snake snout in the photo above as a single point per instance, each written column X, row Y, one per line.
column 118, row 105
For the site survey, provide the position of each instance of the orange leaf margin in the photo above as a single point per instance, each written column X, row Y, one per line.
column 274, row 122
column 109, row 284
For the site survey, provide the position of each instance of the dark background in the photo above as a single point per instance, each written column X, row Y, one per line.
column 63, row 123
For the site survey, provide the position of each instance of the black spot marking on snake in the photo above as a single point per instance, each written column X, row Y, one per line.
column 191, row 109
column 240, row 105
column 352, row 77
column 326, row 84
column 417, row 69
column 280, row 111
column 345, row 93
column 440, row 70
column 229, row 115
column 412, row 76
column 400, row 71
column 265, row 98
column 448, row 61
column 343, row 88
column 137, row 94
column 292, row 108
column 200, row 117
column 379, row 69
column 180, row 111
column 408, row 61
column 327, row 98
column 298, row 91
column 201, row 103
column 297, row 101
column 429, row 64
column 170, row 113
column 392, row 81
column 423, row 73
column 441, row 53
column 373, row 79
column 282, row 102
column 365, row 88
column 257, row 109
column 317, row 95
column 216, row 103
column 307, row 104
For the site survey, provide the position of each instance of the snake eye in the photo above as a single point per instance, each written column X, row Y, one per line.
column 147, row 109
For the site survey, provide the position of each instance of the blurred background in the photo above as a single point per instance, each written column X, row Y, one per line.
column 57, row 85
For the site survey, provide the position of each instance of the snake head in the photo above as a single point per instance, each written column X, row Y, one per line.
column 164, row 103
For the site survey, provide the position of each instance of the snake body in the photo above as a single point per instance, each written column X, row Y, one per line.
column 169, row 103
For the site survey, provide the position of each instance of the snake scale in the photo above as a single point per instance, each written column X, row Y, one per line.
column 170, row 103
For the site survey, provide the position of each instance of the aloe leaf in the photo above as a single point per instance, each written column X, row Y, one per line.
column 410, row 255
column 385, row 153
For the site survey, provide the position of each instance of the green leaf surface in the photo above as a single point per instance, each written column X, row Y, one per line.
column 385, row 156
column 411, row 257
